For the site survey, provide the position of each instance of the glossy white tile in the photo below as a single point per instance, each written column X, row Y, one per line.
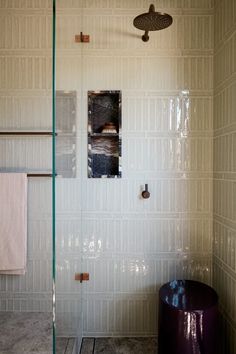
column 224, row 227
column 130, row 246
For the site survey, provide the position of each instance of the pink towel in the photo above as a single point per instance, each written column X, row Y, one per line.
column 13, row 223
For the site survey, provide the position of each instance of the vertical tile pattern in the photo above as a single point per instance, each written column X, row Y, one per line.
column 224, row 183
column 25, row 104
column 130, row 246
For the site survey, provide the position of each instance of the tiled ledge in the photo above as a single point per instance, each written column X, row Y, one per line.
column 225, row 38
column 220, row 86
column 224, row 221
column 125, row 11
column 26, row 11
column 227, row 176
column 229, row 129
column 123, row 52
column 224, row 267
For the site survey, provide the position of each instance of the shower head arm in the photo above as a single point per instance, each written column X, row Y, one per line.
column 151, row 8
column 145, row 37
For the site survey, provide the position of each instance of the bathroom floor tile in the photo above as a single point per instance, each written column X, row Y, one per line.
column 139, row 345
column 87, row 346
column 25, row 332
column 30, row 333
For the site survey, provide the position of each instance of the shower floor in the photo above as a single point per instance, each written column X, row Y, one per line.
column 31, row 333
column 139, row 345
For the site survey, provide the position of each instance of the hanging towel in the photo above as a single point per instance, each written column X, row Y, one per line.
column 13, row 223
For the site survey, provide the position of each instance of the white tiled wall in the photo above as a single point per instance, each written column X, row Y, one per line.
column 25, row 103
column 224, row 206
column 130, row 245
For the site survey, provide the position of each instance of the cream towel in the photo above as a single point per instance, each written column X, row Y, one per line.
column 13, row 223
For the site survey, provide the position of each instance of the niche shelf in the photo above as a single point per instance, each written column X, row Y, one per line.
column 104, row 134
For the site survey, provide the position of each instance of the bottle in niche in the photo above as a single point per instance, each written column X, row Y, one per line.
column 109, row 128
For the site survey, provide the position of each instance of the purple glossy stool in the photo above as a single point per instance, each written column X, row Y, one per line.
column 188, row 318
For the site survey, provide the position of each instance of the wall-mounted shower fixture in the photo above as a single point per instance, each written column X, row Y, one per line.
column 146, row 193
column 82, row 38
column 152, row 21
column 82, row 277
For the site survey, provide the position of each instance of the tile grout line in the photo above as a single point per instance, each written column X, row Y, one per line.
column 81, row 346
column 93, row 346
column 67, row 343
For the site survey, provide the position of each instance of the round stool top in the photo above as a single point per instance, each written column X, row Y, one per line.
column 188, row 295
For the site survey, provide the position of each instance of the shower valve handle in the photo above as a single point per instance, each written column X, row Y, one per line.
column 146, row 193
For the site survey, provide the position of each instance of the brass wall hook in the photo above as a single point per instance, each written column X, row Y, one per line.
column 82, row 38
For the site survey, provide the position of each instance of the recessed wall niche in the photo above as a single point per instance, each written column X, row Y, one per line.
column 104, row 134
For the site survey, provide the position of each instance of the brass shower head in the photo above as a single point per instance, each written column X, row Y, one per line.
column 152, row 21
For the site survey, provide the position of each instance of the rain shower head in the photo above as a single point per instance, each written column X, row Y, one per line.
column 152, row 21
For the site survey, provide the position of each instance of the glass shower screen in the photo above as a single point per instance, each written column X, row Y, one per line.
column 67, row 95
